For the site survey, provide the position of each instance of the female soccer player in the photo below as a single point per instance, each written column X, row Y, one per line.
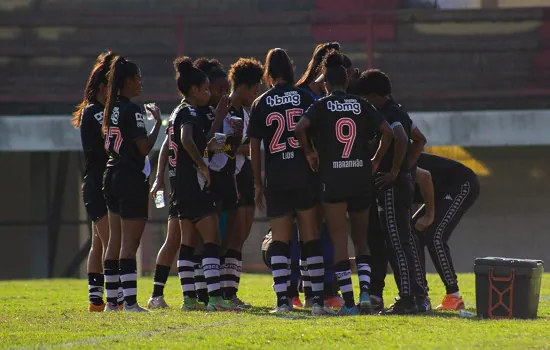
column 125, row 184
column 308, row 80
column 343, row 125
column 88, row 118
column 245, row 76
column 288, row 186
column 195, row 203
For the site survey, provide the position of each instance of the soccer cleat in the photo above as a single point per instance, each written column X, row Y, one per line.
column 401, row 307
column 365, row 304
column 318, row 310
column 297, row 303
column 134, row 308
column 335, row 302
column 377, row 304
column 192, row 304
column 219, row 304
column 451, row 302
column 110, row 307
column 157, row 303
column 348, row 311
column 283, row 309
column 237, row 301
column 423, row 303
column 96, row 308
column 309, row 303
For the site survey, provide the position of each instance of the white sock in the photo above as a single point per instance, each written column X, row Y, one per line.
column 457, row 294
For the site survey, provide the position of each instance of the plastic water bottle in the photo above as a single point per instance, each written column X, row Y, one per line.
column 159, row 199
column 149, row 114
column 465, row 314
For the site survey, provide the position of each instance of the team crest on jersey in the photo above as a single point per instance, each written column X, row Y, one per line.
column 289, row 97
column 351, row 105
column 115, row 115
column 140, row 120
column 192, row 111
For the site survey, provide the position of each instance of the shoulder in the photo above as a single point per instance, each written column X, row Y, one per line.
column 92, row 111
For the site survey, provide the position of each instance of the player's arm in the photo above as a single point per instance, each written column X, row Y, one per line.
column 244, row 149
column 191, row 148
column 255, row 132
column 144, row 142
column 386, row 138
column 220, row 113
column 417, row 146
column 424, row 180
column 161, row 166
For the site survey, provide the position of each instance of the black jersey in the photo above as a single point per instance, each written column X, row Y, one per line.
column 174, row 147
column 395, row 115
column 187, row 172
column 206, row 116
column 273, row 119
column 93, row 143
column 343, row 125
column 224, row 160
column 445, row 172
column 126, row 124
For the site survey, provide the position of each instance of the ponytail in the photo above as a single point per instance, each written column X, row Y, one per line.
column 97, row 77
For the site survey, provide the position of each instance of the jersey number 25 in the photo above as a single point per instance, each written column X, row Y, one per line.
column 287, row 122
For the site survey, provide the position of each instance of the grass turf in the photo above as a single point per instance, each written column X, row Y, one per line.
column 53, row 313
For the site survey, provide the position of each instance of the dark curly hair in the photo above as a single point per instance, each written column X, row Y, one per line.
column 248, row 71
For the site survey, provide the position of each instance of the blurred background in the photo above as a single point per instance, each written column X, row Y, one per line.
column 474, row 74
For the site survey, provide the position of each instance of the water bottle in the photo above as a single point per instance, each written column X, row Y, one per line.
column 149, row 114
column 465, row 314
column 159, row 199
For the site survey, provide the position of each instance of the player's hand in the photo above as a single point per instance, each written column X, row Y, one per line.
column 259, row 197
column 223, row 107
column 313, row 160
column 157, row 186
column 214, row 145
column 206, row 173
column 155, row 111
column 424, row 222
column 384, row 180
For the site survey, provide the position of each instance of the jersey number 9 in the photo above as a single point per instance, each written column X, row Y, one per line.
column 347, row 137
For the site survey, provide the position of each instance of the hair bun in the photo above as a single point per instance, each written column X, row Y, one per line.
column 183, row 65
column 333, row 59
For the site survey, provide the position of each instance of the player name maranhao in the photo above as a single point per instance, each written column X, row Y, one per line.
column 356, row 163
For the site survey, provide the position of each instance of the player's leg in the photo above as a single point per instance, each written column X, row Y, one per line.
column 335, row 216
column 165, row 258
column 418, row 239
column 186, row 265
column 449, row 212
column 134, row 207
column 378, row 259
column 358, row 209
column 296, row 255
column 200, row 281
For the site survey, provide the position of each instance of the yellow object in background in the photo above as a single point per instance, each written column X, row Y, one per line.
column 459, row 154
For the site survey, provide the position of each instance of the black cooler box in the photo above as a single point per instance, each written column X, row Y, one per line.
column 507, row 288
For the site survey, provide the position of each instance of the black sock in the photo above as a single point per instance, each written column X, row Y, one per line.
column 200, row 280
column 161, row 276
column 280, row 270
column 211, row 268
column 316, row 269
column 343, row 275
column 128, row 277
column 112, row 280
column 231, row 260
column 364, row 272
column 95, row 288
column 186, row 271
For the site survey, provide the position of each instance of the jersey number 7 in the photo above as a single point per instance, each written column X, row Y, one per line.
column 287, row 122
column 113, row 133
column 348, row 137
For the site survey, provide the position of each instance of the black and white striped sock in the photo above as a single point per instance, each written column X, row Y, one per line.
column 364, row 271
column 112, row 280
column 128, row 277
column 95, row 288
column 186, row 271
column 161, row 276
column 306, row 279
column 211, row 268
column 316, row 269
column 343, row 275
column 200, row 280
column 231, row 276
column 280, row 269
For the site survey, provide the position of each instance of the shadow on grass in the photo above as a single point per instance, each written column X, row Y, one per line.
column 296, row 314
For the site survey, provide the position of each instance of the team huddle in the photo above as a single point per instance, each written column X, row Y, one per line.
column 338, row 149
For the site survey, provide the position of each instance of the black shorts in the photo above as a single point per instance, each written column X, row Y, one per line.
column 245, row 185
column 224, row 189
column 281, row 202
column 355, row 204
column 172, row 210
column 127, row 193
column 193, row 204
column 92, row 193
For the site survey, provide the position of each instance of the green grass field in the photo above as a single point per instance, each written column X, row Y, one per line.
column 53, row 314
